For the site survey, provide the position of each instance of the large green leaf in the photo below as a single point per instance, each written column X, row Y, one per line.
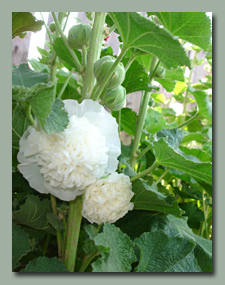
column 154, row 121
column 149, row 198
column 136, row 223
column 204, row 105
column 194, row 27
column 171, row 76
column 26, row 77
column 63, row 53
column 167, row 156
column 128, row 120
column 194, row 214
column 116, row 249
column 41, row 104
column 136, row 78
column 20, row 244
column 58, row 119
column 33, row 214
column 19, row 123
column 160, row 253
column 138, row 32
column 23, row 22
column 45, row 264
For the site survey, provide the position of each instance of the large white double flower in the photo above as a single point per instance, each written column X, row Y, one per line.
column 65, row 164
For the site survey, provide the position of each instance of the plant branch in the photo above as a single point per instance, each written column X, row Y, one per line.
column 188, row 121
column 94, row 53
column 161, row 177
column 72, row 235
column 87, row 259
column 58, row 234
column 142, row 115
column 72, row 53
column 145, row 172
column 65, row 84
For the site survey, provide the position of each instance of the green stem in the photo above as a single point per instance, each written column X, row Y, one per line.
column 72, row 53
column 188, row 121
column 142, row 115
column 67, row 17
column 87, row 259
column 94, row 53
column 47, row 29
column 145, row 172
column 84, row 56
column 65, row 83
column 46, row 244
column 186, row 95
column 28, row 113
column 205, row 215
column 73, row 230
column 58, row 234
column 143, row 152
column 104, row 82
column 161, row 177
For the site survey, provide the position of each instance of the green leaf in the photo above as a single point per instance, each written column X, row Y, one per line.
column 20, row 244
column 167, row 156
column 194, row 214
column 154, row 121
column 159, row 97
column 171, row 76
column 197, row 136
column 188, row 191
column 24, row 76
column 56, row 223
column 128, row 120
column 138, row 32
column 33, row 214
column 136, row 78
column 149, row 198
column 19, row 123
column 41, row 104
column 63, row 53
column 45, row 264
column 194, row 27
column 38, row 66
column 160, row 253
column 21, row 93
column 23, row 22
column 197, row 152
column 58, row 119
column 204, row 105
column 136, row 223
column 116, row 249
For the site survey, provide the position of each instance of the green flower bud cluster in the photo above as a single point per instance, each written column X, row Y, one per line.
column 114, row 99
column 79, row 35
column 114, row 96
column 52, row 27
column 103, row 65
column 160, row 72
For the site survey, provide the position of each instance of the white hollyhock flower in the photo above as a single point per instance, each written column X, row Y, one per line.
column 65, row 163
column 108, row 200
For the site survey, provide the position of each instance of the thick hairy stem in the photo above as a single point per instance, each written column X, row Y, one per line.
column 73, row 230
column 94, row 53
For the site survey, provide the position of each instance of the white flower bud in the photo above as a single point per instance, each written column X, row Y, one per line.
column 108, row 200
column 65, row 163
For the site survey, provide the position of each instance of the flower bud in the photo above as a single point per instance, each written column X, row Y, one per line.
column 115, row 99
column 160, row 72
column 52, row 27
column 79, row 35
column 103, row 65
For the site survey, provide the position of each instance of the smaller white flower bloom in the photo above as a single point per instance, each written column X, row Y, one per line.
column 108, row 200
